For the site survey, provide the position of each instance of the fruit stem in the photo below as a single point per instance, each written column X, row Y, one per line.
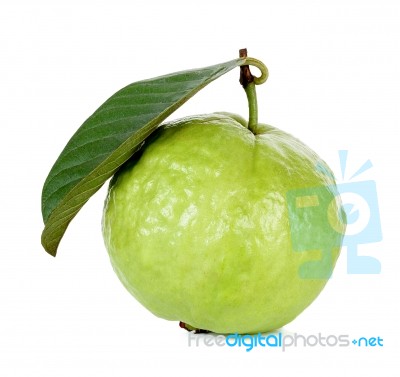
column 251, row 94
column 249, row 83
column 189, row 328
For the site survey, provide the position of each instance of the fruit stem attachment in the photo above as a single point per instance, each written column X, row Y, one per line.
column 249, row 83
column 251, row 94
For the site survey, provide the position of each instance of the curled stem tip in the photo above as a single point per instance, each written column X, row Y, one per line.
column 246, row 77
column 263, row 69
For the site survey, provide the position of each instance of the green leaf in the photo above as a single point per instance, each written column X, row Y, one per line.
column 109, row 137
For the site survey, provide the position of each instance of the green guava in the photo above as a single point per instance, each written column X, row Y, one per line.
column 224, row 228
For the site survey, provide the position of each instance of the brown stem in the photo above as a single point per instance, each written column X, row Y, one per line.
column 245, row 75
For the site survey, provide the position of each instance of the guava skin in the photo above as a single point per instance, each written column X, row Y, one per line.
column 197, row 226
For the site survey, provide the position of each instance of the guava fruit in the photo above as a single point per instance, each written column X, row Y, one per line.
column 223, row 228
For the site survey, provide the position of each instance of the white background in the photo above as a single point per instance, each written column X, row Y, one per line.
column 334, row 83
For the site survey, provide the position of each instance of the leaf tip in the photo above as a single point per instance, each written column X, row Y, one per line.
column 50, row 249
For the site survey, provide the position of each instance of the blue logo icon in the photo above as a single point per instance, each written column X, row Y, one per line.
column 306, row 208
column 360, row 201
